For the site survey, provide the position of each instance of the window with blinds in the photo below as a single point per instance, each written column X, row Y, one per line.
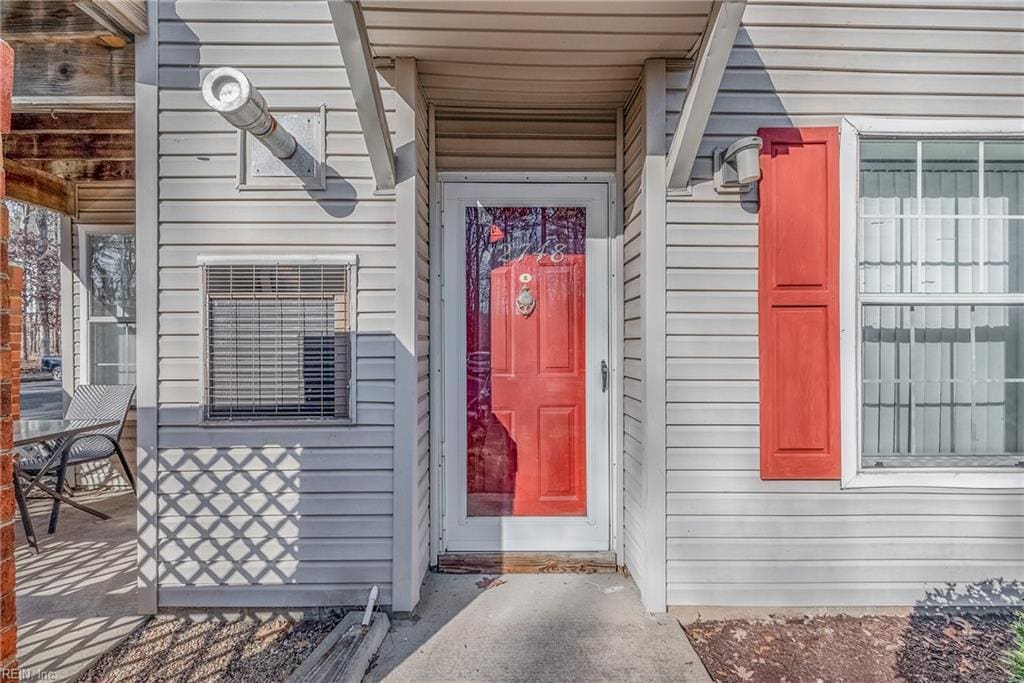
column 940, row 243
column 278, row 341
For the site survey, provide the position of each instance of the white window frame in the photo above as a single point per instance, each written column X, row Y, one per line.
column 347, row 259
column 85, row 298
column 852, row 129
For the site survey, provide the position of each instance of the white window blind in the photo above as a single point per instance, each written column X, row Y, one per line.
column 941, row 302
column 278, row 342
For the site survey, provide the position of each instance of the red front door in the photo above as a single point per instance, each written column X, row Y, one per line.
column 538, row 381
column 526, row 359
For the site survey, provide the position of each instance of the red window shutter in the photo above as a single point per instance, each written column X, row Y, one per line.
column 798, row 303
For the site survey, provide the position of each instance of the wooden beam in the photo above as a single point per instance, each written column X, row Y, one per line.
column 28, row 184
column 712, row 57
column 87, row 170
column 125, row 18
column 46, row 21
column 73, row 122
column 72, row 69
column 527, row 563
column 81, row 103
column 79, row 146
column 350, row 28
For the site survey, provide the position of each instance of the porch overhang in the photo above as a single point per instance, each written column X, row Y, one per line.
column 711, row 60
column 550, row 55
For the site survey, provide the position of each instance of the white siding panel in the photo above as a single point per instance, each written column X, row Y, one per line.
column 283, row 515
column 732, row 538
column 633, row 360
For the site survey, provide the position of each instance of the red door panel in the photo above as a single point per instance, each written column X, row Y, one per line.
column 525, row 370
column 544, row 389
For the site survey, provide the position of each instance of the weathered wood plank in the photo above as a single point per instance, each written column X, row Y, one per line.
column 72, row 122
column 80, row 146
column 125, row 18
column 31, row 185
column 87, row 170
column 72, row 69
column 51, row 21
column 526, row 563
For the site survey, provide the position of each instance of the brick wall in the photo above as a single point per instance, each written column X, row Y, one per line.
column 8, row 624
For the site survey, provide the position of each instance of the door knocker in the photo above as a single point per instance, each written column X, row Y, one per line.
column 525, row 302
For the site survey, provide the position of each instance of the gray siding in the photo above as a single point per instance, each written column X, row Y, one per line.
column 732, row 538
column 421, row 514
column 633, row 370
column 531, row 141
column 274, row 515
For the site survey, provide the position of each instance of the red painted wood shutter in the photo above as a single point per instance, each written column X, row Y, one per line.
column 798, row 303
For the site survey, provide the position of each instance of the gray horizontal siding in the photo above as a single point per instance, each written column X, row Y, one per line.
column 633, row 338
column 275, row 515
column 732, row 538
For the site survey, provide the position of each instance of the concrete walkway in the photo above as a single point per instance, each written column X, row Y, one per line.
column 535, row 627
column 77, row 597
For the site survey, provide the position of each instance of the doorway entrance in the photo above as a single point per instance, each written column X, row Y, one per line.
column 525, row 305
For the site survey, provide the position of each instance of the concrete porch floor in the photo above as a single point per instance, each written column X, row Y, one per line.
column 77, row 596
column 533, row 627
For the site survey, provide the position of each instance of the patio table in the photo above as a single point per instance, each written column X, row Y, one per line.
column 28, row 432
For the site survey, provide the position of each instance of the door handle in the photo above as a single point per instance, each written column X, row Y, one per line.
column 604, row 376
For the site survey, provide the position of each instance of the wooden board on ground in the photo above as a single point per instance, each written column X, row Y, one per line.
column 526, row 563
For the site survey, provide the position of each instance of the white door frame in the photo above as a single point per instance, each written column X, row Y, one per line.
column 454, row 530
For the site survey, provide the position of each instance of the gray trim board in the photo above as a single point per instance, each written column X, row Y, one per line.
column 67, row 309
column 712, row 58
column 404, row 583
column 362, row 79
column 146, row 245
column 653, row 583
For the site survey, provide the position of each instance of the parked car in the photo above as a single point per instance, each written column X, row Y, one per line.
column 52, row 365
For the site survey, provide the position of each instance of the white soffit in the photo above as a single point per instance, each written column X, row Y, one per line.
column 556, row 54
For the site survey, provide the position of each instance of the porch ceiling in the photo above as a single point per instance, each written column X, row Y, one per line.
column 532, row 53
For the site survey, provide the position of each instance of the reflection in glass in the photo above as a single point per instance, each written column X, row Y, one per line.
column 111, row 281
column 525, row 380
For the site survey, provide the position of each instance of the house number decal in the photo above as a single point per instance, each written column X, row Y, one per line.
column 525, row 302
column 554, row 251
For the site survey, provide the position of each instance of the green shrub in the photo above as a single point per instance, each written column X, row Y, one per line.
column 1015, row 657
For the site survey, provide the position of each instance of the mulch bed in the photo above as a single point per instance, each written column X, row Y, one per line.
column 932, row 646
column 184, row 650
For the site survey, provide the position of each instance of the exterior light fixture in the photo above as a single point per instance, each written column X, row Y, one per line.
column 739, row 166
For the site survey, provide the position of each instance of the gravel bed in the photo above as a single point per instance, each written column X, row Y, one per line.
column 178, row 649
column 925, row 647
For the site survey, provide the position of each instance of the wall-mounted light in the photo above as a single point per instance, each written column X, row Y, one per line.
column 739, row 166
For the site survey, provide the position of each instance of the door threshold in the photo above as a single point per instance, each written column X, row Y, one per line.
column 602, row 562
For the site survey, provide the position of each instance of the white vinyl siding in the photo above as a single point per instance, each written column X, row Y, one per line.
column 734, row 539
column 530, row 141
column 272, row 516
column 633, row 369
column 421, row 515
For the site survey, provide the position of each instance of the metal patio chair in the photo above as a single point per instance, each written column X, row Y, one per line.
column 89, row 402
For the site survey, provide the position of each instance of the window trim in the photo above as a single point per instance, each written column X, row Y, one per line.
column 851, row 131
column 85, row 319
column 347, row 259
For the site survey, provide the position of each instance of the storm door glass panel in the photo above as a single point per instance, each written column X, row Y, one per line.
column 110, row 277
column 525, row 361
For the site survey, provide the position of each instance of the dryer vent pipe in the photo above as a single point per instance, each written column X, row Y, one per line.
column 230, row 93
